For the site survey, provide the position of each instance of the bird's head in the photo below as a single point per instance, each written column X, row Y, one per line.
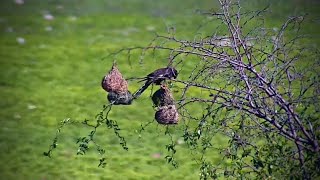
column 173, row 72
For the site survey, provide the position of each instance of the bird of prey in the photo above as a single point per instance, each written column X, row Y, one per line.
column 157, row 77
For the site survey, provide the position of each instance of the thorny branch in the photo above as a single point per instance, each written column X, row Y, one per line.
column 253, row 81
column 255, row 72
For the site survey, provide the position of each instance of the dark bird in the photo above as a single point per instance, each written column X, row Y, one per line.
column 157, row 77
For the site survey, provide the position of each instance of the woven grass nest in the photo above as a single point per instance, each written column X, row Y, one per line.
column 166, row 110
column 163, row 97
column 117, row 86
column 167, row 115
column 114, row 81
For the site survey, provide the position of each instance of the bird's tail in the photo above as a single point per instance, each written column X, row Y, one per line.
column 141, row 90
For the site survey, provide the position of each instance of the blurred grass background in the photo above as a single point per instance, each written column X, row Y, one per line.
column 51, row 66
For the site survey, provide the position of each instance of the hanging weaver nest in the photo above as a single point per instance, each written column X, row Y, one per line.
column 122, row 98
column 117, row 87
column 114, row 82
column 167, row 115
column 163, row 97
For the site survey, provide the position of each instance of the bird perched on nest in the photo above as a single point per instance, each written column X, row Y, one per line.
column 157, row 77
column 163, row 96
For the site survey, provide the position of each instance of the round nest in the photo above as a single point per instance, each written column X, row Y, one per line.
column 120, row 98
column 114, row 82
column 167, row 115
column 163, row 97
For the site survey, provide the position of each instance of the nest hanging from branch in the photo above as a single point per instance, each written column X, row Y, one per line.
column 114, row 82
column 117, row 86
column 163, row 97
column 167, row 115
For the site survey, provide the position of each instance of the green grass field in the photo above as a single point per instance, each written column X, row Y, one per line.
column 51, row 70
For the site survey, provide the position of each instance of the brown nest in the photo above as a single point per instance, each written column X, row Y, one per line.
column 114, row 82
column 167, row 115
column 120, row 98
column 162, row 97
